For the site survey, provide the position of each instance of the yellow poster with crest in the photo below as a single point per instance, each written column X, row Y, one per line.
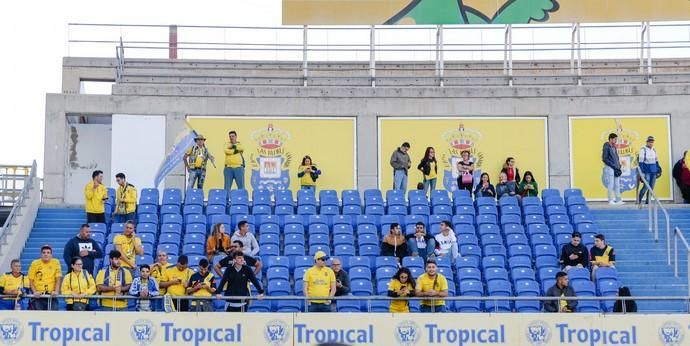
column 490, row 142
column 274, row 148
column 587, row 137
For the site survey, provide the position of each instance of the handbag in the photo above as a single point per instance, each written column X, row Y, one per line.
column 466, row 178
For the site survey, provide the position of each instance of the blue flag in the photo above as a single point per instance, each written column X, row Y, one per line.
column 174, row 157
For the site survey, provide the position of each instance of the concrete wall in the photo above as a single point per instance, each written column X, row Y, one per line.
column 89, row 149
column 556, row 102
column 18, row 232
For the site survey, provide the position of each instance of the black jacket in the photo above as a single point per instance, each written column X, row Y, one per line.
column 425, row 166
column 554, row 305
column 237, row 282
column 72, row 250
column 345, row 281
column 580, row 250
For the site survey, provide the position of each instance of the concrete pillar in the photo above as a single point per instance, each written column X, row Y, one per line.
column 559, row 151
column 367, row 148
column 55, row 156
column 174, row 126
column 680, row 142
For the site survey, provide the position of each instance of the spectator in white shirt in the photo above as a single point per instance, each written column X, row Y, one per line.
column 649, row 165
column 446, row 242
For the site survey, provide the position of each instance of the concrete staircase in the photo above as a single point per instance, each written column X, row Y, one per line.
column 53, row 226
column 642, row 262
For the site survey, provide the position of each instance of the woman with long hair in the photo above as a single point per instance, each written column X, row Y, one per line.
column 429, row 169
column 528, row 186
column 77, row 284
column 511, row 171
column 401, row 285
column 484, row 188
column 308, row 173
column 465, row 169
column 218, row 243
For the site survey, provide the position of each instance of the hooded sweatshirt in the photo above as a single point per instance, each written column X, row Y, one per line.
column 251, row 246
column 75, row 245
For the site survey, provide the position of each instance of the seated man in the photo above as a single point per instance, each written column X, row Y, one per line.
column 601, row 255
column 574, row 254
column 446, row 242
column 252, row 262
column 421, row 243
column 560, row 289
column 342, row 280
column 202, row 284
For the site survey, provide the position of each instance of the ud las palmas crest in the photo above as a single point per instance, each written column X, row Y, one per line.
column 271, row 162
column 626, row 154
column 458, row 141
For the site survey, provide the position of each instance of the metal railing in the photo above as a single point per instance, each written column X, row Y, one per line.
column 53, row 299
column 638, row 46
column 12, row 179
column 677, row 234
column 27, row 185
column 653, row 215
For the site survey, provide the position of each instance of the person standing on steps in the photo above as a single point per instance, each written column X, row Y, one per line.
column 195, row 160
column 400, row 161
column 95, row 194
column 234, row 162
column 612, row 170
column 649, row 165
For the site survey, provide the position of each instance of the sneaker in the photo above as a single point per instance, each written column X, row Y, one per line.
column 612, row 203
column 620, row 203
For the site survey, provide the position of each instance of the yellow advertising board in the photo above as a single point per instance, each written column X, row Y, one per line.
column 274, row 149
column 288, row 329
column 587, row 137
column 373, row 12
column 490, row 142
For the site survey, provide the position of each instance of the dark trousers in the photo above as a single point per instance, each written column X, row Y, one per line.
column 180, row 304
column 42, row 304
column 95, row 218
column 319, row 307
column 236, row 308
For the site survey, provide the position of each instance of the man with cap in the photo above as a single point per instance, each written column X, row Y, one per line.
column 649, row 165
column 195, row 160
column 319, row 281
column 574, row 254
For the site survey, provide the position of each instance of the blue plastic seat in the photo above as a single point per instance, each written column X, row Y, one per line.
column 344, row 250
column 318, row 229
column 277, row 273
column 293, row 229
column 493, row 262
column 279, row 262
column 271, row 239
column 294, row 250
column 261, row 198
column 169, row 209
column 192, row 210
column 360, row 272
column 173, row 249
column 511, row 210
column 397, row 210
column 519, row 262
column 508, row 200
column 467, row 239
column 591, row 306
column 520, row 250
column 487, row 209
column 343, row 239
column 495, row 250
column 146, row 209
column 511, row 219
column 516, row 239
column 537, row 228
column 217, row 197
column 395, row 197
column 149, row 196
column 485, row 219
column 607, row 287
column 194, row 249
column 462, row 197
column 541, row 239
column 471, row 251
column 550, row 193
column 351, row 197
column 606, row 273
column 489, row 228
column 215, row 210
column 343, row 230
column 284, row 198
column 464, row 229
column 465, row 210
column 306, row 197
column 558, row 219
column 583, row 287
column 278, row 287
column 468, row 273
column 197, row 228
column 313, row 249
column 572, row 193
column 548, row 273
column 369, row 250
column 545, row 250
column 410, row 261
column 534, row 219
column 194, row 197
column 361, row 287
column 481, row 201
column 169, row 238
column 463, row 219
column 440, row 197
column 318, row 239
column 348, row 306
column 499, row 287
column 522, row 274
column 172, row 196
column 238, row 197
column 578, row 209
column 532, row 210
column 491, row 239
column 373, row 197
column 145, row 218
column 466, row 262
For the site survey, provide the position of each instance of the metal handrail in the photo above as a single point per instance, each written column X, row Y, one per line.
column 677, row 234
column 28, row 185
column 653, row 215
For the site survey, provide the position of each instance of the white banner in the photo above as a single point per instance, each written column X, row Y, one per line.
column 276, row 329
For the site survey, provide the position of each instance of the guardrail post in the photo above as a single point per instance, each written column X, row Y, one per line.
column 508, row 53
column 305, row 44
column 372, row 55
column 643, row 27
column 172, row 42
column 649, row 54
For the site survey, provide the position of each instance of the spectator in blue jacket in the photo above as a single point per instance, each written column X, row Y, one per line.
column 612, row 169
column 649, row 165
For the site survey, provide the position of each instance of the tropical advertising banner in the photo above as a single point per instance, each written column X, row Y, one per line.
column 287, row 329
column 587, row 137
column 406, row 12
column 273, row 149
column 490, row 141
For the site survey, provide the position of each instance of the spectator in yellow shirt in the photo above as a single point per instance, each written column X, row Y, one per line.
column 175, row 280
column 234, row 162
column 114, row 280
column 125, row 200
column 157, row 273
column 308, row 173
column 78, row 283
column 44, row 278
column 319, row 281
column 129, row 246
column 432, row 284
column 402, row 285
column 95, row 195
column 13, row 283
